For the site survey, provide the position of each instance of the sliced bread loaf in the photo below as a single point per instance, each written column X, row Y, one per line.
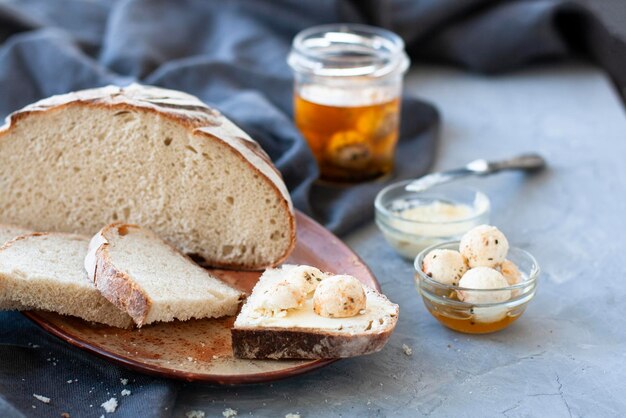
column 146, row 277
column 290, row 316
column 45, row 271
column 151, row 156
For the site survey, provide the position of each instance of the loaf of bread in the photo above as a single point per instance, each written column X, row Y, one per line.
column 282, row 318
column 45, row 271
column 151, row 156
column 150, row 280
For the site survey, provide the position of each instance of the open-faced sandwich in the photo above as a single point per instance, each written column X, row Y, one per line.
column 300, row 312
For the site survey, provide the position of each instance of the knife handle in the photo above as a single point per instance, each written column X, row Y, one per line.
column 526, row 162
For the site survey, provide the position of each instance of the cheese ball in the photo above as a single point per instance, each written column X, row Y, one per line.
column 444, row 266
column 307, row 277
column 339, row 297
column 484, row 246
column 280, row 296
column 483, row 278
column 510, row 272
column 489, row 314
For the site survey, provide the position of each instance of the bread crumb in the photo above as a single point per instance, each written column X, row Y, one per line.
column 110, row 406
column 407, row 350
column 125, row 392
column 290, row 415
column 124, row 381
column 229, row 412
column 41, row 398
column 195, row 414
column 65, row 415
column 190, row 358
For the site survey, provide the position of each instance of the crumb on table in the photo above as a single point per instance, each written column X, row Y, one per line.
column 229, row 412
column 41, row 398
column 407, row 350
column 110, row 406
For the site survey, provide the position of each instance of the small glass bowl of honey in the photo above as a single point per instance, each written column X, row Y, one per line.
column 348, row 84
column 443, row 302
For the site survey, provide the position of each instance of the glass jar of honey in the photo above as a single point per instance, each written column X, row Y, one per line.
column 348, row 84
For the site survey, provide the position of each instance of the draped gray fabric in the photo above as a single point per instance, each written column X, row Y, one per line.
column 231, row 54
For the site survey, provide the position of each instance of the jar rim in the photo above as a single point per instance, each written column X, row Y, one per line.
column 348, row 50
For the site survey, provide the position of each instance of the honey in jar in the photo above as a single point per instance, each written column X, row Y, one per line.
column 350, row 142
column 347, row 98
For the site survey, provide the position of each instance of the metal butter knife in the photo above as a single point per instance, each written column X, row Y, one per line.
column 526, row 162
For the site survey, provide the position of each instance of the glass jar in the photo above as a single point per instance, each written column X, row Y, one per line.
column 348, row 84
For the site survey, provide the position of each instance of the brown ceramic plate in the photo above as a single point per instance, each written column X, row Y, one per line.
column 200, row 350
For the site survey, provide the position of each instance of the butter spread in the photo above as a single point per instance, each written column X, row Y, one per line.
column 376, row 315
column 437, row 211
column 418, row 224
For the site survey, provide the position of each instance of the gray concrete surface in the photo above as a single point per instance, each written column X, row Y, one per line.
column 567, row 355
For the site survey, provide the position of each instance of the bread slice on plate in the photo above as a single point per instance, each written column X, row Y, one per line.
column 298, row 312
column 151, row 156
column 150, row 280
column 7, row 233
column 45, row 271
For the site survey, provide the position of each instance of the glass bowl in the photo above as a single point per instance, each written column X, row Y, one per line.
column 410, row 235
column 443, row 303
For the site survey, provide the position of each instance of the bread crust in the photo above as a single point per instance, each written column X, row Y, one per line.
column 193, row 115
column 115, row 285
column 309, row 343
column 275, row 343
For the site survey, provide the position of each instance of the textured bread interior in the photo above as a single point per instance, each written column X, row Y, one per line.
column 176, row 286
column 379, row 315
column 78, row 167
column 46, row 272
column 8, row 232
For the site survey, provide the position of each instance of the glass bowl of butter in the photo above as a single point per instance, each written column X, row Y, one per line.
column 413, row 221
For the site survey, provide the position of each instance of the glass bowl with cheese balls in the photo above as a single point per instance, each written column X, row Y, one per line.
column 476, row 285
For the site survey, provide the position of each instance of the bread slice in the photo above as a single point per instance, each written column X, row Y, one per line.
column 7, row 233
column 45, row 271
column 146, row 277
column 300, row 333
column 155, row 157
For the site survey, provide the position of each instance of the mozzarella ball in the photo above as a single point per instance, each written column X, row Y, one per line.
column 489, row 314
column 510, row 272
column 280, row 296
column 444, row 266
column 484, row 246
column 483, row 278
column 339, row 297
column 307, row 277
